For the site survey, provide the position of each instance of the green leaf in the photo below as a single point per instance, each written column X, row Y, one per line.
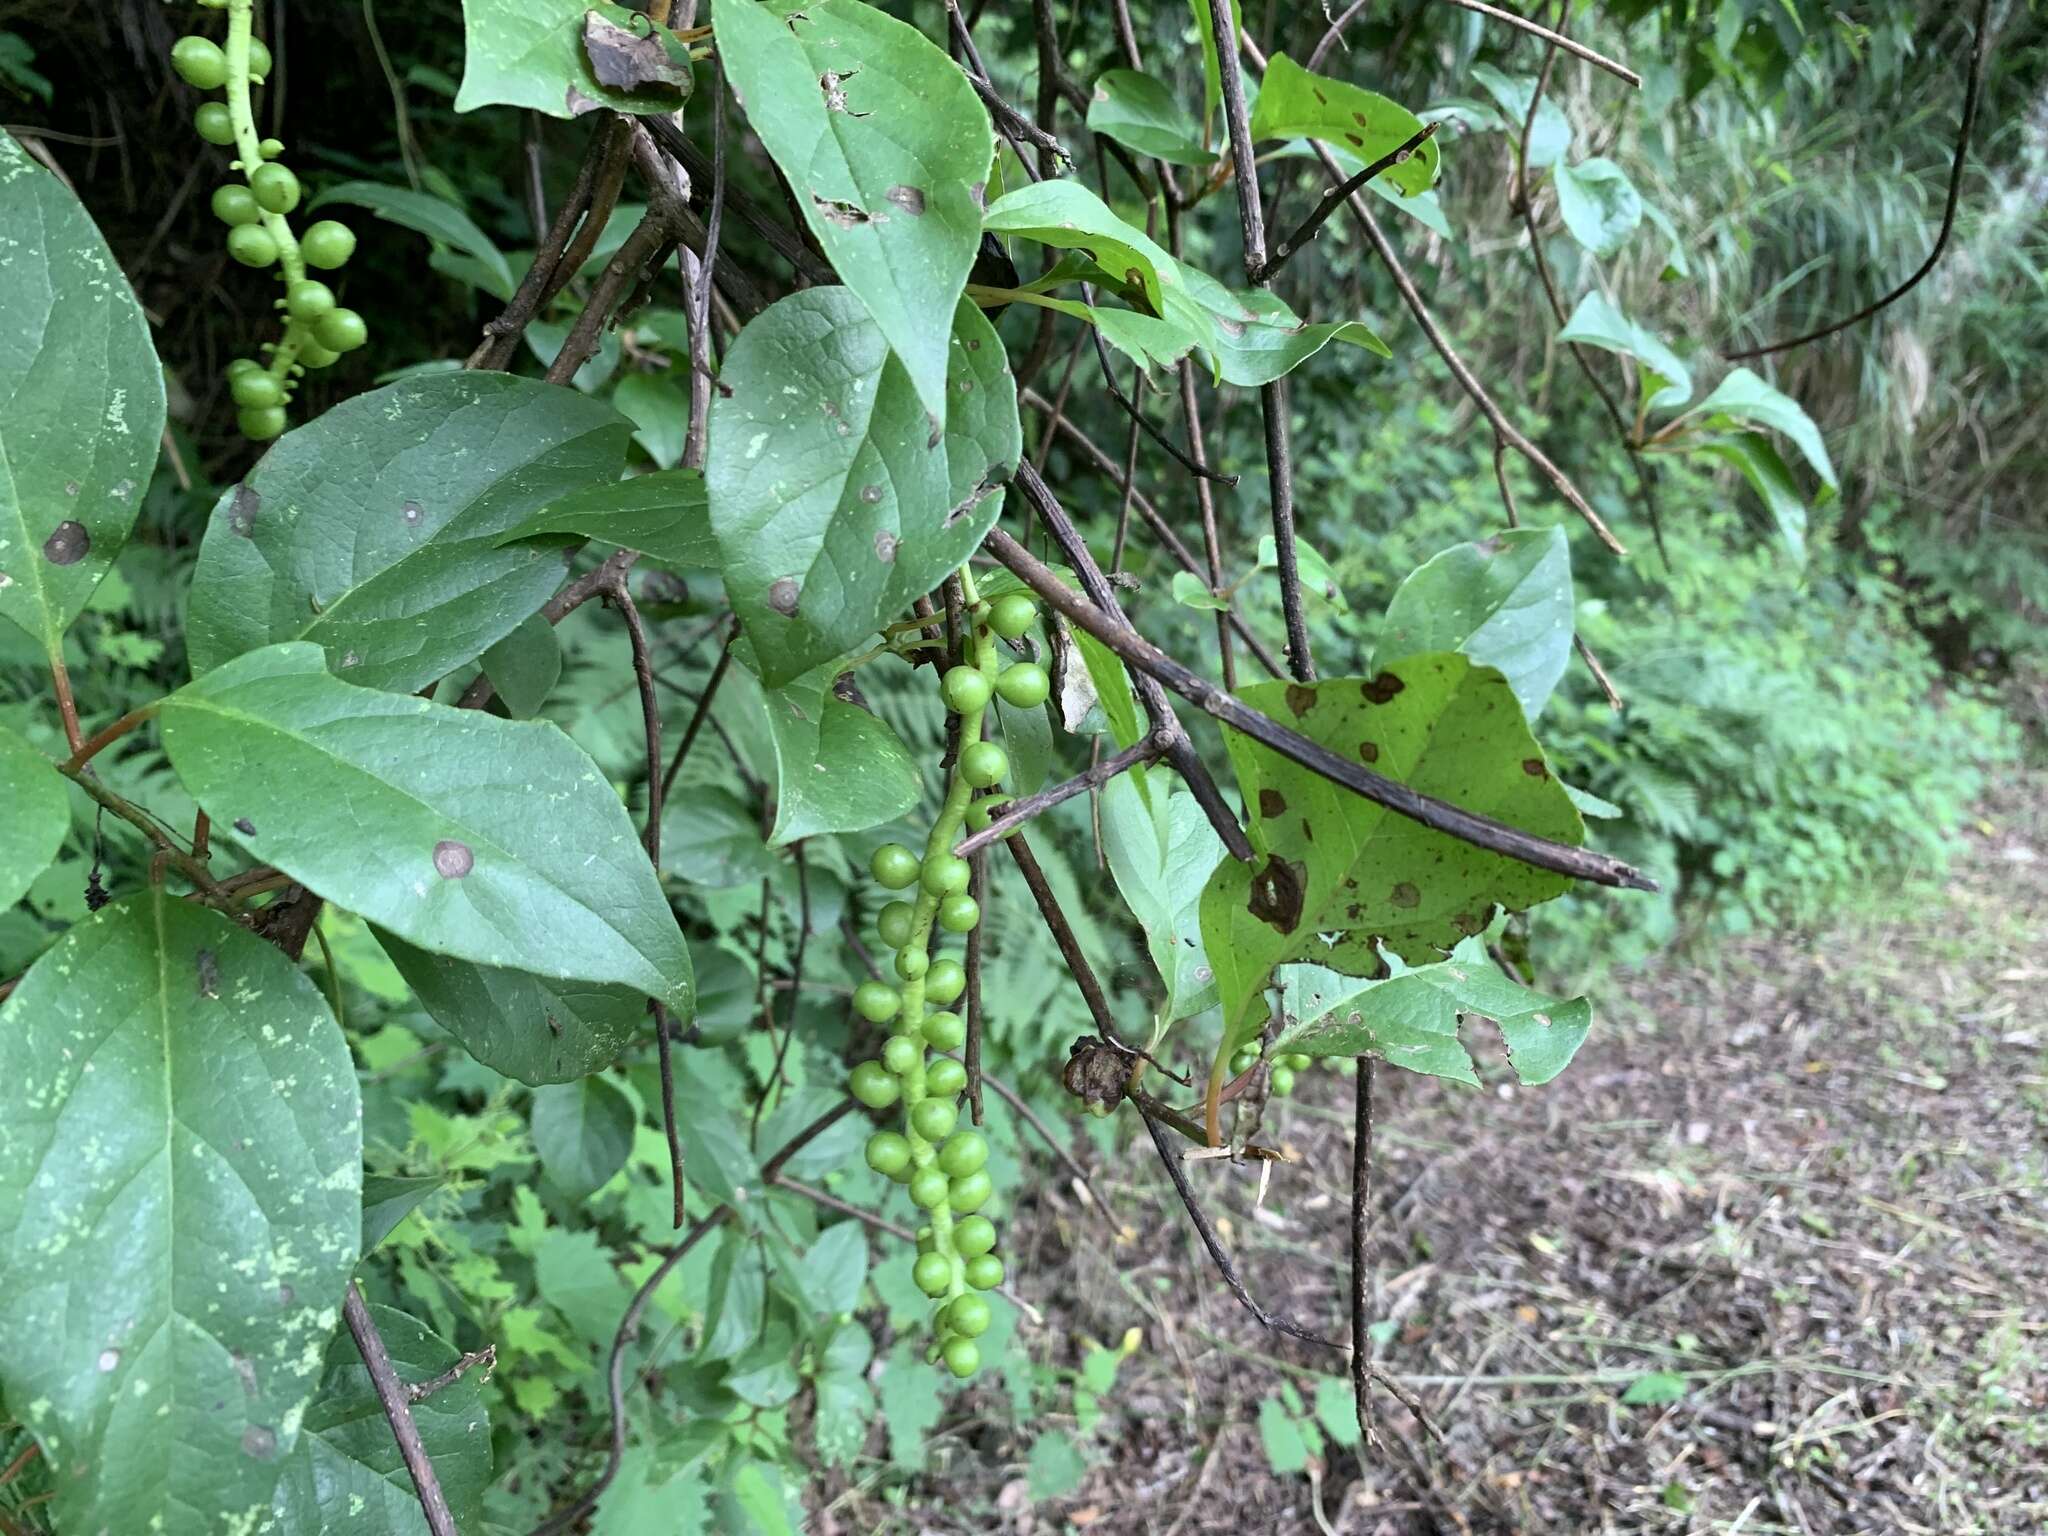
column 659, row 409
column 389, row 1198
column 373, row 530
column 1212, row 69
column 845, row 1401
column 1190, row 591
column 37, row 819
column 911, row 1404
column 1317, row 574
column 1286, row 1450
column 1337, row 1410
column 1504, row 601
column 1068, row 217
column 1055, row 1467
column 435, row 217
column 1294, row 104
column 1111, row 684
column 425, row 820
column 180, row 1206
column 1552, row 134
column 525, row 666
column 664, row 515
column 1746, row 400
column 1675, row 264
column 835, row 1267
column 1332, row 862
column 346, row 1477
column 1666, row 382
column 1161, row 851
column 711, row 838
column 534, row 1029
column 1411, row 1017
column 888, row 189
column 81, row 402
column 1654, row 1388
column 834, row 498
column 529, row 53
column 1758, row 459
column 1598, row 203
column 651, row 1494
column 1253, row 338
column 583, row 1132
column 838, row 767
column 1141, row 113
column 716, row 1146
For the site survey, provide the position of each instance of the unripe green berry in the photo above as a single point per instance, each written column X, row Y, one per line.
column 259, row 59
column 1298, row 1061
column 945, row 1077
column 944, row 982
column 214, row 123
column 970, row 1193
column 1012, row 614
column 945, row 873
column 261, row 423
column 900, row 1054
column 928, row 1186
column 270, row 149
column 1283, row 1081
column 933, row 1119
column 959, row 913
column 313, row 355
column 1241, row 1063
column 973, row 1236
column 963, row 1153
column 874, row 1085
column 256, row 389
column 888, row 1153
column 1025, row 685
column 328, row 244
column 199, row 62
column 341, row 330
column 235, row 204
column 985, row 1273
column 981, row 812
column 896, row 924
column 251, row 245
column 965, row 690
column 277, row 191
column 911, row 963
column 933, row 1273
column 876, row 1001
column 969, row 1316
column 963, row 1357
column 983, row 764
column 944, row 1031
column 893, row 866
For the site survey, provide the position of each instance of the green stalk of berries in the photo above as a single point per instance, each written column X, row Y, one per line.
column 939, row 1161
column 317, row 330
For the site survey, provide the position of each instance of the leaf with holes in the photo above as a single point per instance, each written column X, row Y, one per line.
column 38, row 816
column 1332, row 863
column 1161, row 851
column 1142, row 114
column 81, row 402
column 583, row 1132
column 1410, row 1018
column 180, row 1205
column 1599, row 204
column 886, row 148
column 531, row 53
column 496, row 841
column 374, row 530
column 1504, row 601
column 347, row 1478
column 665, row 515
column 834, row 498
column 1294, row 104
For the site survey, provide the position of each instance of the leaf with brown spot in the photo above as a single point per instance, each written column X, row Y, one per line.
column 629, row 61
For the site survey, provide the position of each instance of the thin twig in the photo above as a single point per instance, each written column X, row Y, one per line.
column 1361, row 1271
column 1017, row 812
column 391, row 1393
column 698, row 434
column 420, row 1391
column 700, row 713
column 1335, row 198
column 1577, row 50
column 1063, row 936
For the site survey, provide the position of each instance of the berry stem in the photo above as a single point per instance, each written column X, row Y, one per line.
column 249, row 147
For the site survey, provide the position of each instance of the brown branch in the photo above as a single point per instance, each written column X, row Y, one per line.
column 67, row 706
column 701, row 362
column 1577, row 50
column 1361, row 1271
column 1017, row 812
column 420, row 1391
column 501, row 336
column 1063, row 936
column 1146, row 658
column 701, row 712
column 392, row 1394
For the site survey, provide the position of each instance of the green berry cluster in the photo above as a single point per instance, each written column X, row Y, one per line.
column 317, row 329
column 1281, row 1078
column 939, row 1161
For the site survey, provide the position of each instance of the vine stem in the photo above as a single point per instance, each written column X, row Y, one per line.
column 85, row 752
column 397, row 1404
column 67, row 706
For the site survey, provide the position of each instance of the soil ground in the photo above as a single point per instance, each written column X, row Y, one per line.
column 1790, row 1191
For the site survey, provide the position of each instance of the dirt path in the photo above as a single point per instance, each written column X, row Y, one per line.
column 1791, row 1194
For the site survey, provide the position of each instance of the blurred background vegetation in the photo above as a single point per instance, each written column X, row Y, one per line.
column 1807, row 724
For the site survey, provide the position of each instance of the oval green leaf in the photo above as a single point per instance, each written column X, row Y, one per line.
column 1294, row 104
column 38, row 815
column 1504, row 601
column 1142, row 114
column 583, row 1132
column 664, row 515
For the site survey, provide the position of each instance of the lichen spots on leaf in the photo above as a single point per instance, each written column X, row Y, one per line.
column 871, row 494
column 259, row 1442
column 909, row 199
column 242, row 509
column 1368, row 752
column 453, row 860
column 885, row 545
column 1300, row 698
column 1272, row 803
column 1277, row 893
column 67, row 544
column 413, row 514
column 782, row 596
column 1405, row 895
column 1381, row 688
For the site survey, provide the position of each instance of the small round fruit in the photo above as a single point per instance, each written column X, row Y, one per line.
column 199, row 62
column 945, row 1077
column 983, row 764
column 911, row 963
column 341, row 330
column 1283, row 1081
column 235, row 204
column 933, row 1119
column 328, row 244
column 1241, row 1063
column 214, row 123
column 985, row 1273
column 1298, row 1061
column 876, row 1001
column 900, row 1054
column 981, row 812
column 242, row 365
column 313, row 355
column 270, row 149
column 261, row 423
column 276, row 189
column 970, row 1193
column 1012, row 614
column 969, row 1316
column 933, row 1273
column 874, row 1085
column 959, row 913
column 973, row 1236
column 928, row 1186
column 944, row 982
column 963, row 1153
column 888, row 1153
column 945, row 873
column 1025, row 685
column 965, row 690
column 896, row 924
column 259, row 59
column 945, row 1031
column 251, row 245
column 256, row 389
column 893, row 866
column 963, row 1357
